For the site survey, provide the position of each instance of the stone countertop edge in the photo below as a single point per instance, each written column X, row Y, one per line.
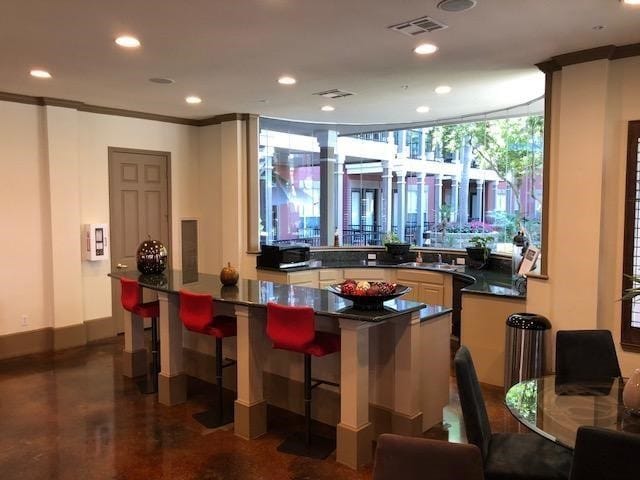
column 496, row 289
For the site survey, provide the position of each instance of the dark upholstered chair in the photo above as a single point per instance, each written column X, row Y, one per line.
column 293, row 328
column 583, row 355
column 506, row 456
column 602, row 454
column 197, row 315
column 410, row 458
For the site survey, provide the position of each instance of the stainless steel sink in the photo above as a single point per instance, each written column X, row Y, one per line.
column 432, row 265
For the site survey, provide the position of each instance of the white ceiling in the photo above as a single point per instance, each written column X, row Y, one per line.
column 231, row 52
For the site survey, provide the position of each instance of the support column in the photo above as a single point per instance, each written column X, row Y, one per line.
column 421, row 208
column 437, row 194
column 250, row 419
column 480, row 199
column 354, row 432
column 401, row 182
column 340, row 195
column 387, row 195
column 406, row 418
column 172, row 381
column 455, row 191
column 267, row 219
column 328, row 141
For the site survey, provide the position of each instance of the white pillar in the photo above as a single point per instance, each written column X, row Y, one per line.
column 480, row 199
column 340, row 194
column 401, row 181
column 421, row 208
column 387, row 193
column 455, row 190
column 267, row 220
column 437, row 193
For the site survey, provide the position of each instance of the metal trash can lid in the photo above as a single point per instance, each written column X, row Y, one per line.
column 528, row 321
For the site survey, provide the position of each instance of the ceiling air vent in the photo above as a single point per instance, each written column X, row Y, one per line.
column 418, row 26
column 334, row 93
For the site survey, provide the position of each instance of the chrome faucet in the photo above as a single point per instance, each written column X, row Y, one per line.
column 439, row 258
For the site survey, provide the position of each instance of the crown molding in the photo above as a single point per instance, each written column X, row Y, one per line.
column 606, row 52
column 120, row 112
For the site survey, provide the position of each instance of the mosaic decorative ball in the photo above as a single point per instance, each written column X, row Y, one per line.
column 151, row 257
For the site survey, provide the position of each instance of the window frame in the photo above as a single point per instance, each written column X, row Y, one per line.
column 630, row 336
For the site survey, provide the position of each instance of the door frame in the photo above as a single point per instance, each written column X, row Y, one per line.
column 110, row 152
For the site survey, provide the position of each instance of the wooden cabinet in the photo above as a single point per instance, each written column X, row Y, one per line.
column 306, row 278
column 427, row 286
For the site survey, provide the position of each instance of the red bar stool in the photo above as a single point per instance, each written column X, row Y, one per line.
column 196, row 313
column 132, row 302
column 293, row 329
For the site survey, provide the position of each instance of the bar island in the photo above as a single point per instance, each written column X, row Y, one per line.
column 393, row 367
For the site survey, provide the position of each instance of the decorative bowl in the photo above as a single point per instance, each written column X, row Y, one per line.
column 368, row 302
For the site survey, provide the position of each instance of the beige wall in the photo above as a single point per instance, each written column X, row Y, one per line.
column 55, row 178
column 25, row 273
column 592, row 103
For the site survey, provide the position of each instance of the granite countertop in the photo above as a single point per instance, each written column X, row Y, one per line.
column 257, row 293
column 481, row 282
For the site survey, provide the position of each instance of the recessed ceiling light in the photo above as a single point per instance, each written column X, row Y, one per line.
column 286, row 80
column 442, row 89
column 127, row 41
column 422, row 109
column 456, row 5
column 328, row 108
column 40, row 74
column 193, row 99
column 425, row 49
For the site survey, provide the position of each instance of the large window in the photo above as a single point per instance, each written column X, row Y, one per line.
column 631, row 268
column 437, row 186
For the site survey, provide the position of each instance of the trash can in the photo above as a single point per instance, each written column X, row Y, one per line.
column 524, row 347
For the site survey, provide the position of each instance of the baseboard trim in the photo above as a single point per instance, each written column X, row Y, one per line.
column 26, row 343
column 99, row 328
column 69, row 336
column 49, row 339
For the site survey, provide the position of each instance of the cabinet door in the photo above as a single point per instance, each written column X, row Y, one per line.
column 325, row 283
column 414, row 293
column 433, row 294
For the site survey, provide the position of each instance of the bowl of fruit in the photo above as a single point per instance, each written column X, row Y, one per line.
column 368, row 295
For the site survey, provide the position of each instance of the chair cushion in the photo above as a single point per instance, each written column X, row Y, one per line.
column 323, row 344
column 222, row 326
column 514, row 456
column 150, row 309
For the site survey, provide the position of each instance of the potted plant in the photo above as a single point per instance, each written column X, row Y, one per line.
column 395, row 247
column 478, row 251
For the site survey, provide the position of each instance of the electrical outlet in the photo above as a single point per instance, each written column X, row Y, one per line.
column 371, row 256
column 460, row 261
column 24, row 320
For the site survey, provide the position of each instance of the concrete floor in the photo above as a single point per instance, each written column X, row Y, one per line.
column 72, row 415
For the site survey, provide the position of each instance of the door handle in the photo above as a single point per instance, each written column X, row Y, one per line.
column 121, row 266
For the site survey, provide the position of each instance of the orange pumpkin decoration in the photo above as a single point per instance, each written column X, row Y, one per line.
column 229, row 275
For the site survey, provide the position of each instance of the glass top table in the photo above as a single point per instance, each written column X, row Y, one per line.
column 555, row 409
